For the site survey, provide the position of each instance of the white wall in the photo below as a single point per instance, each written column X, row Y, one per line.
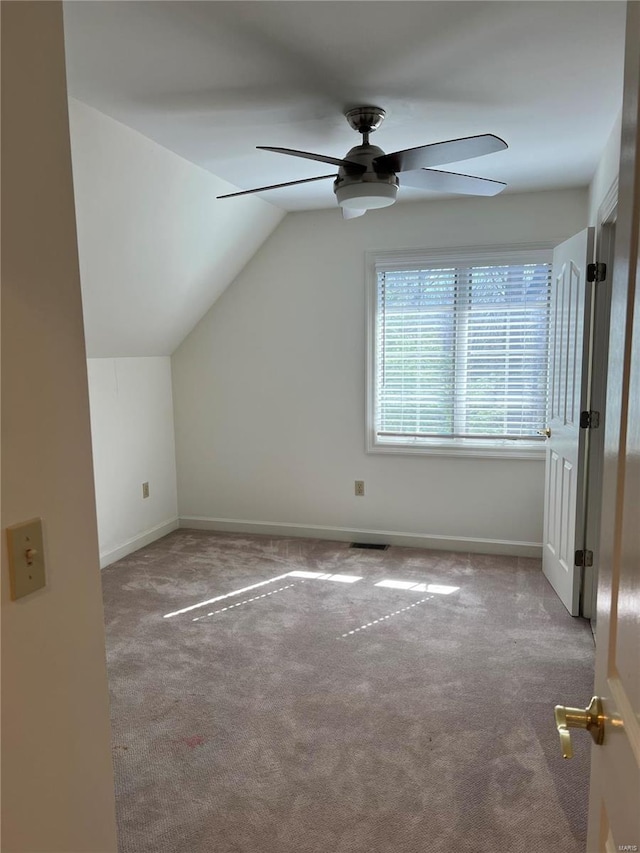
column 269, row 389
column 133, row 443
column 156, row 246
column 57, row 779
column 606, row 172
column 156, row 249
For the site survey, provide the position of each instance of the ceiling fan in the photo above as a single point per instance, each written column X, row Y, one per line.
column 367, row 177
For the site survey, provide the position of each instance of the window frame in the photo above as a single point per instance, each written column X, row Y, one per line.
column 407, row 259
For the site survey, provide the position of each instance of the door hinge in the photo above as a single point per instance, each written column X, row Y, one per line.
column 584, row 558
column 589, row 420
column 597, row 271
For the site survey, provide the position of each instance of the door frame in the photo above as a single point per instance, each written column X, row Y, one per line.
column 615, row 764
column 597, row 392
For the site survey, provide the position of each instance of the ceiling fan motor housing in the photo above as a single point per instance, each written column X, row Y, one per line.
column 352, row 187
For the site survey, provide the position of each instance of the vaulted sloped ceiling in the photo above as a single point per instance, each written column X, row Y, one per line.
column 156, row 248
column 209, row 81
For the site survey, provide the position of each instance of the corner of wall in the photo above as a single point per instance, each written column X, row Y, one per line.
column 133, row 443
column 606, row 173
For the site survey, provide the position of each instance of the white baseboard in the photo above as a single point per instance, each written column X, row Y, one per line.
column 348, row 534
column 131, row 545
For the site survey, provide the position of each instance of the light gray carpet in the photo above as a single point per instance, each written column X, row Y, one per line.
column 264, row 729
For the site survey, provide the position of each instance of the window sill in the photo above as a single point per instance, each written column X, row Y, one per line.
column 534, row 450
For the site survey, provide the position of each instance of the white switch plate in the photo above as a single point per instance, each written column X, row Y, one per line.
column 26, row 557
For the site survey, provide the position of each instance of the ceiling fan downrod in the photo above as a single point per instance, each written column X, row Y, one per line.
column 365, row 120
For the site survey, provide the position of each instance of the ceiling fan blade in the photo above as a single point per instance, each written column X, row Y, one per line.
column 451, row 151
column 276, row 186
column 352, row 213
column 350, row 164
column 450, row 182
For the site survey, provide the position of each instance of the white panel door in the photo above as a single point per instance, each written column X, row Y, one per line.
column 565, row 461
column 614, row 808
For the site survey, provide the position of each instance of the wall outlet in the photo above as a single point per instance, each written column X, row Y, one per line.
column 359, row 490
column 145, row 490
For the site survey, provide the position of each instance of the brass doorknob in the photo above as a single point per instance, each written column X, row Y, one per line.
column 590, row 718
column 546, row 432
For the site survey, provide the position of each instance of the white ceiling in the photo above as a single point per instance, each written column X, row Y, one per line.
column 211, row 80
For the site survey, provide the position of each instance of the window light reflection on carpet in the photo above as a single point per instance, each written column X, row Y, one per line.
column 321, row 576
column 409, row 586
column 240, row 603
column 396, row 584
column 381, row 619
column 412, row 586
column 221, row 597
column 441, row 589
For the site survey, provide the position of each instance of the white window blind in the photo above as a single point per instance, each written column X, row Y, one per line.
column 461, row 352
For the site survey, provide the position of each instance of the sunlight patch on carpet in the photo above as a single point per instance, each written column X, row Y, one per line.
column 382, row 619
column 412, row 586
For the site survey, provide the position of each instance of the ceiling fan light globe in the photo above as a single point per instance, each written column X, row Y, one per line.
column 366, row 196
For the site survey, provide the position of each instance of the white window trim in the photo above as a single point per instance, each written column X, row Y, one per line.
column 406, row 259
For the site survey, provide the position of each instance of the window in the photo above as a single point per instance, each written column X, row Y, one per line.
column 459, row 349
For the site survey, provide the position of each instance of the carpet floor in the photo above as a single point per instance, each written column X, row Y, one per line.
column 301, row 711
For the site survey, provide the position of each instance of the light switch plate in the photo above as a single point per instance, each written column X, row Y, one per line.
column 26, row 557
